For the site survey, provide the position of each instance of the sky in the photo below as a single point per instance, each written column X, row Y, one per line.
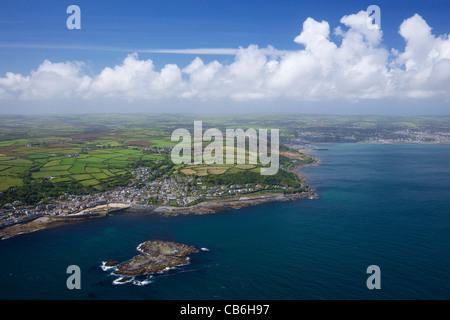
column 208, row 56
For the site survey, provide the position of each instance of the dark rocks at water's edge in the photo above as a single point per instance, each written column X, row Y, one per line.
column 234, row 203
column 111, row 263
column 156, row 257
column 124, row 279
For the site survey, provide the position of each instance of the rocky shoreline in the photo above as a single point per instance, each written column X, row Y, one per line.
column 200, row 208
column 47, row 222
column 206, row 207
column 235, row 203
column 156, row 256
column 297, row 169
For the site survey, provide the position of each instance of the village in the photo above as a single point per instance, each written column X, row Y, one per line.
column 177, row 190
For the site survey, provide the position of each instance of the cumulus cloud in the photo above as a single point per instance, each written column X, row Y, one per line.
column 425, row 60
column 50, row 80
column 359, row 66
column 136, row 79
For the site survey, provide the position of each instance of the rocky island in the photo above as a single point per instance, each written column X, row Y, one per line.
column 156, row 256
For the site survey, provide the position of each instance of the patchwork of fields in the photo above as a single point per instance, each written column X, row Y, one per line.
column 95, row 149
column 89, row 168
column 204, row 170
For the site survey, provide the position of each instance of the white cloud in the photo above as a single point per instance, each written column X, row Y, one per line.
column 50, row 80
column 360, row 67
column 425, row 61
column 136, row 79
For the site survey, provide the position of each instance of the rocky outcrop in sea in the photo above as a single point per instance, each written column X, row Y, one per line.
column 156, row 256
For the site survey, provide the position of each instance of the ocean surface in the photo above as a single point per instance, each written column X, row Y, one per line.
column 384, row 205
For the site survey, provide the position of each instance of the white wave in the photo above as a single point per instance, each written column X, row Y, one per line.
column 176, row 267
column 167, row 269
column 142, row 283
column 138, row 248
column 105, row 268
column 119, row 280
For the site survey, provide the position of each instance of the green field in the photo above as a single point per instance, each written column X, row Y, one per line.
column 7, row 182
column 81, row 177
column 92, row 170
column 91, row 182
column 67, row 161
column 45, row 174
column 52, row 163
column 77, row 168
column 56, row 168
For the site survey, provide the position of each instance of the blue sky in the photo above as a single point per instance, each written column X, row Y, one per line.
column 34, row 31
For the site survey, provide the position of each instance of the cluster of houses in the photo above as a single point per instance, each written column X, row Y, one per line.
column 144, row 190
column 183, row 190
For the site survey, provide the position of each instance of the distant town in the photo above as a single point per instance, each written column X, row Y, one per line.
column 381, row 136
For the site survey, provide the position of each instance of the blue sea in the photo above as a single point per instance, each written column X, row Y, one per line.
column 384, row 205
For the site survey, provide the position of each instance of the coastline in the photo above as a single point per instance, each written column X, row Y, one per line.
column 234, row 203
column 207, row 207
column 47, row 222
column 297, row 168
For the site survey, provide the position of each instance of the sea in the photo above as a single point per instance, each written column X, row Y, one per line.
column 379, row 205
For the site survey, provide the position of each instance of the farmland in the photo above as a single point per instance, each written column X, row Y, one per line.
column 79, row 149
column 89, row 153
column 83, row 157
column 88, row 167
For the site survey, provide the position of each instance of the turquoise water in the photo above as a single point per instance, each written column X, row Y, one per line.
column 382, row 205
